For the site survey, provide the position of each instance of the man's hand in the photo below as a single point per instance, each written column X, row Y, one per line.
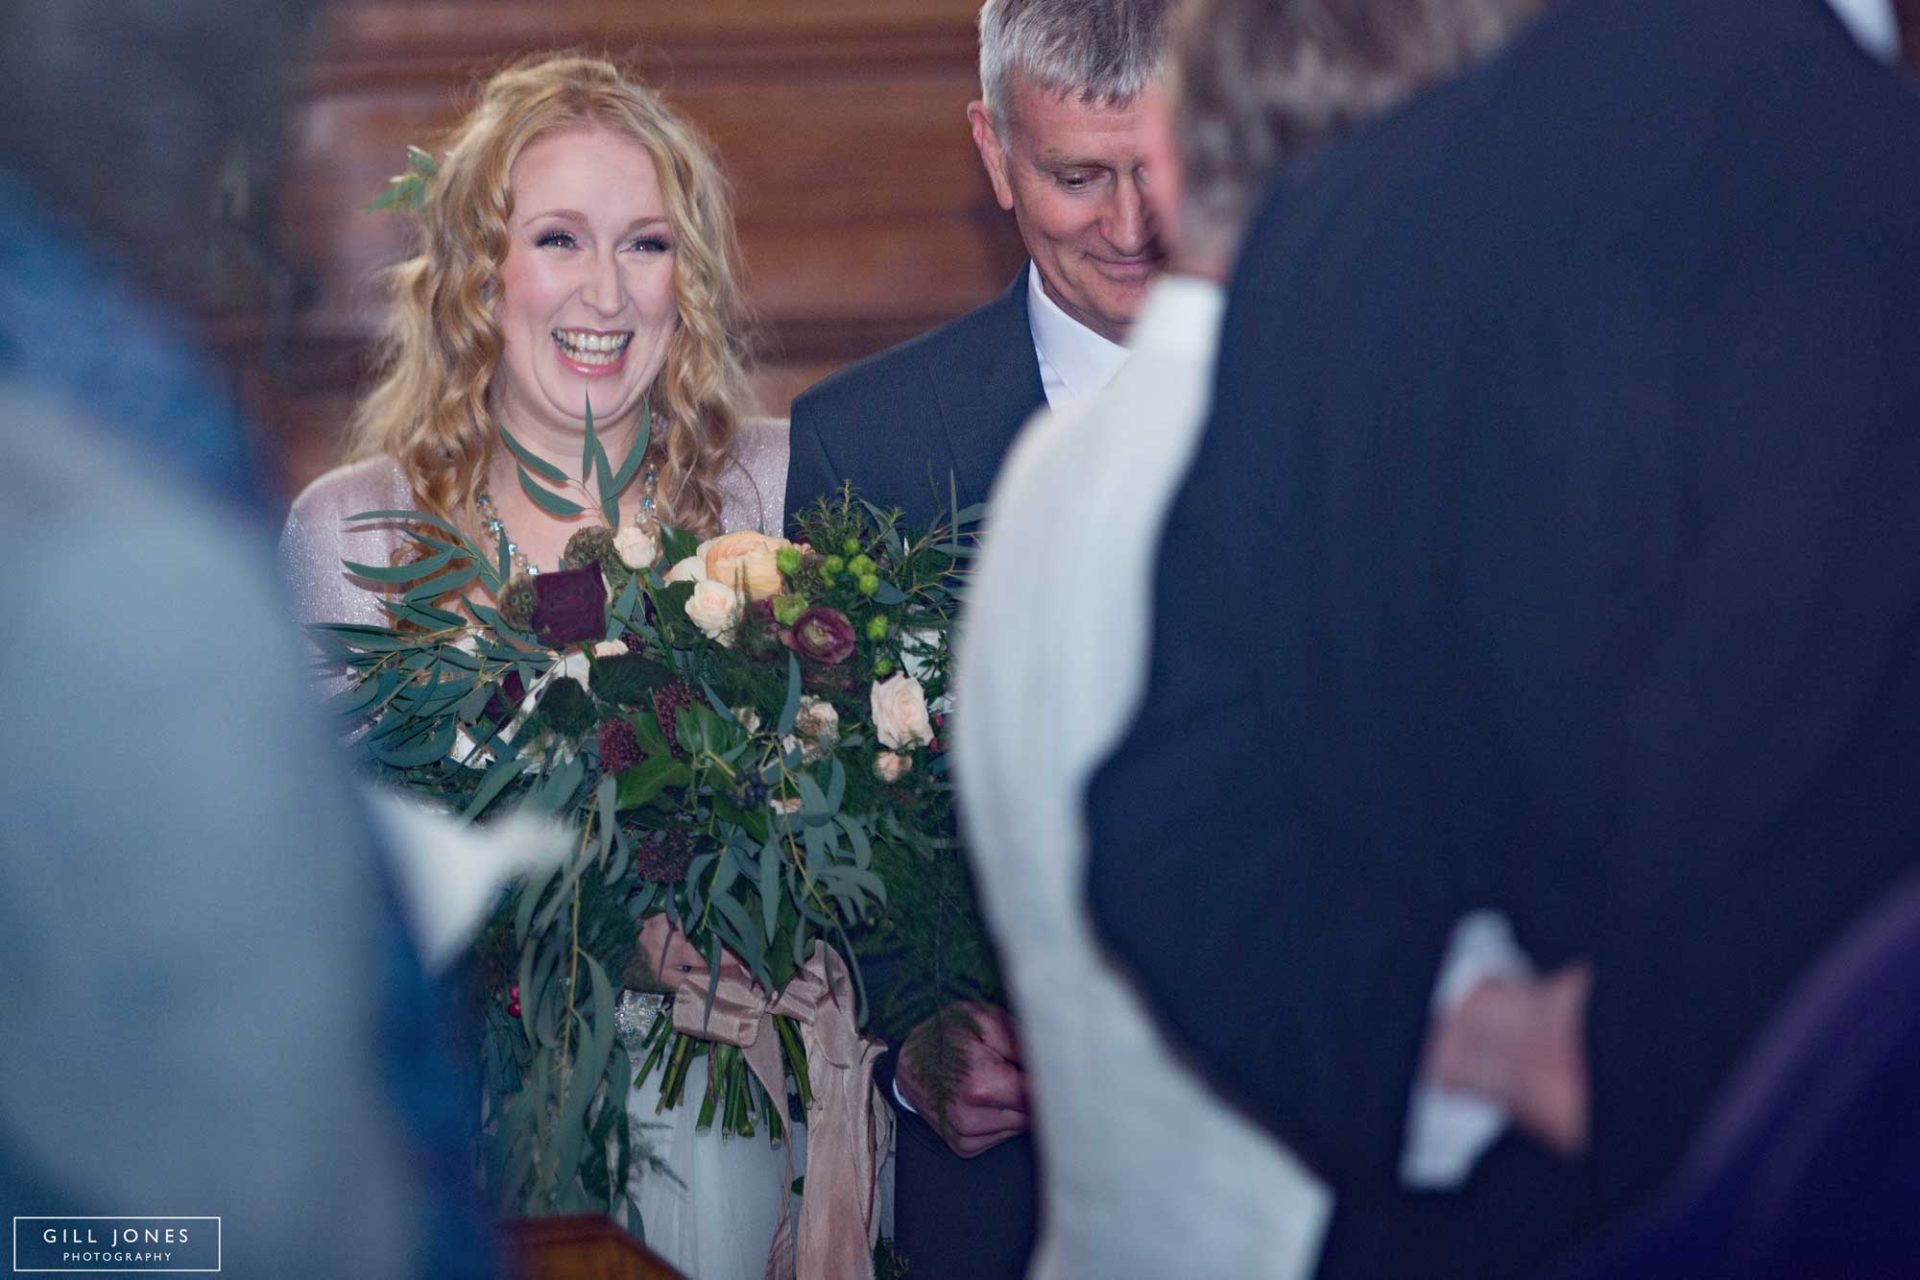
column 1523, row 1043
column 988, row 1102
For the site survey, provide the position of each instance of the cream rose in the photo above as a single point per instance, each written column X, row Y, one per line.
column 816, row 719
column 746, row 557
column 637, row 548
column 692, row 569
column 900, row 713
column 889, row 767
column 715, row 607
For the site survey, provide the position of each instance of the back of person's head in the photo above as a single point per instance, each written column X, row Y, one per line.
column 431, row 409
column 1257, row 83
column 152, row 129
column 1101, row 52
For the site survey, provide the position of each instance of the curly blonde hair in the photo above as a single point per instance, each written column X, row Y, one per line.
column 430, row 410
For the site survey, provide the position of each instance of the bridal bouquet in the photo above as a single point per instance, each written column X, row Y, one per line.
column 743, row 733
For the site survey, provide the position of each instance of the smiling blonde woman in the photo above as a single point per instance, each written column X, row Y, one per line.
column 576, row 252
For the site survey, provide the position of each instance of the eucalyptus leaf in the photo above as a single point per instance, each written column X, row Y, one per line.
column 551, row 503
column 814, row 808
column 790, row 709
column 630, row 467
column 857, row 837
column 499, row 775
column 531, row 461
column 529, row 898
column 452, row 580
column 836, row 785
column 772, row 861
column 400, row 573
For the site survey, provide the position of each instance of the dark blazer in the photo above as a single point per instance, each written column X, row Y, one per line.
column 1811, row 1165
column 1554, row 546
column 899, row 424
column 910, row 427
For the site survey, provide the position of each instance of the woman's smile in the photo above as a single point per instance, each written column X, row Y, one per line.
column 592, row 353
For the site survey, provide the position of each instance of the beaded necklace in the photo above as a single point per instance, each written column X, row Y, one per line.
column 647, row 518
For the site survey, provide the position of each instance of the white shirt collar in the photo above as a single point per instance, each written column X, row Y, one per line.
column 1872, row 24
column 1074, row 360
column 1181, row 315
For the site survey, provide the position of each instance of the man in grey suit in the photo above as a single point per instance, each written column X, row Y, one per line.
column 1058, row 129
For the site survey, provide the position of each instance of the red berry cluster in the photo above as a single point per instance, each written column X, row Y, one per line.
column 513, row 1001
column 619, row 746
column 668, row 703
column 663, row 857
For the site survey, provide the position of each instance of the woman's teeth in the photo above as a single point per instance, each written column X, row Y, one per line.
column 592, row 348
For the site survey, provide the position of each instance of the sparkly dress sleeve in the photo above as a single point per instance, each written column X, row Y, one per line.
column 753, row 487
column 318, row 541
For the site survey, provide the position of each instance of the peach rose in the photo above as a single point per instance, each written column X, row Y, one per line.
column 692, row 569
column 715, row 608
column 889, row 767
column 749, row 557
column 900, row 713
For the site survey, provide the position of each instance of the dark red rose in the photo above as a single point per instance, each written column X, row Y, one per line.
column 570, row 606
column 506, row 699
column 822, row 635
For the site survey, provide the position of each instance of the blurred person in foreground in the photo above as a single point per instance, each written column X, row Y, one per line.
column 1551, row 549
column 211, row 1006
column 1144, row 1170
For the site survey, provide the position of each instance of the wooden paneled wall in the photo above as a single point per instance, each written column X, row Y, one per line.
column 864, row 215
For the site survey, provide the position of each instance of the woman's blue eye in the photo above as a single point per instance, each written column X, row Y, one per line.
column 561, row 238
column 652, row 244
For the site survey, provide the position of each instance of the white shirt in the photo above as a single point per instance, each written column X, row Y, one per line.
column 1074, row 360
column 1052, row 666
column 1872, row 24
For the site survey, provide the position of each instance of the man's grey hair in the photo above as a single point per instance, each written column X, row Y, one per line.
column 1101, row 52
column 1256, row 83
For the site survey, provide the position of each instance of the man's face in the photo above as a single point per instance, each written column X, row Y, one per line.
column 1074, row 176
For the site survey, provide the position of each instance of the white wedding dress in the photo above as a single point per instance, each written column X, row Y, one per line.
column 715, row 1218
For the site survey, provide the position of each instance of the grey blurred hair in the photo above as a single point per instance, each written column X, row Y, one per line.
column 1102, row 52
column 1256, row 83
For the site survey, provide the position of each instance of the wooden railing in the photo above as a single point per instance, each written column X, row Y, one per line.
column 580, row 1247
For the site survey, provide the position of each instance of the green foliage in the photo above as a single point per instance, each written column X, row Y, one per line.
column 407, row 190
column 746, row 823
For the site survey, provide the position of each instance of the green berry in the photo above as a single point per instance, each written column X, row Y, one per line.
column 831, row 565
column 788, row 559
column 860, row 564
column 869, row 583
column 877, row 627
column 788, row 608
column 851, row 546
column 883, row 667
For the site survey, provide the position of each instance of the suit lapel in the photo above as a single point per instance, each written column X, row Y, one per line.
column 986, row 388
